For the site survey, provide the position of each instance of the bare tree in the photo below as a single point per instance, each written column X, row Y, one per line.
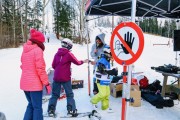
column 80, row 7
column 11, row 22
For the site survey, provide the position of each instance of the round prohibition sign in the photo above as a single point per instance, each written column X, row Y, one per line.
column 127, row 43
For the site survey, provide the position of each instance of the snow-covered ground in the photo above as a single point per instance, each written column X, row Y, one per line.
column 13, row 102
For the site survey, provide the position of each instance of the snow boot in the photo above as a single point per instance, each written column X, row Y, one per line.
column 95, row 115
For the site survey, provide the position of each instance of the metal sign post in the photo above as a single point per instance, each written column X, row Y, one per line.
column 127, row 43
column 133, row 14
column 124, row 104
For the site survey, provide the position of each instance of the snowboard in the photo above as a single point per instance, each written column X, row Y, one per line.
column 94, row 113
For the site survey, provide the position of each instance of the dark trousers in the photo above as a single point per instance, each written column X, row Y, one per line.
column 34, row 109
column 95, row 88
column 56, row 89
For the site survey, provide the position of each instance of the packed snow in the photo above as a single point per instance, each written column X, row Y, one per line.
column 13, row 102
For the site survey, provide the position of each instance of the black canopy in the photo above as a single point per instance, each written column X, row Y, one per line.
column 145, row 8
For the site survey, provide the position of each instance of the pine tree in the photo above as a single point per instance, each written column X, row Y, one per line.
column 63, row 17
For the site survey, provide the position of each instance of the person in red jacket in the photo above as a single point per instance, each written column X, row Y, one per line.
column 62, row 77
column 34, row 75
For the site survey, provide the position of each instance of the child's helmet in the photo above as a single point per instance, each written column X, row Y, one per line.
column 67, row 43
column 107, row 51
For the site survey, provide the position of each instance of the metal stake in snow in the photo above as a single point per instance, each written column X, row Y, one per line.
column 127, row 43
column 87, row 42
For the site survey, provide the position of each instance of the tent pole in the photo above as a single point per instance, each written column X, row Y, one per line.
column 133, row 10
column 112, row 23
column 176, row 59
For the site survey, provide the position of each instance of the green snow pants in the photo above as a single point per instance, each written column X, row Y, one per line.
column 102, row 95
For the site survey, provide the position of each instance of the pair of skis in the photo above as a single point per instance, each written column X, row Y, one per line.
column 91, row 115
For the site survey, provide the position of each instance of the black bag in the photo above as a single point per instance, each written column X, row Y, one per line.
column 155, row 99
column 168, row 103
column 155, row 86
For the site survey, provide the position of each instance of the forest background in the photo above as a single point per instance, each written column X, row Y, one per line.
column 66, row 18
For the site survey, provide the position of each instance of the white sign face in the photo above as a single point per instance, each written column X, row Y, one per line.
column 126, row 35
column 127, row 43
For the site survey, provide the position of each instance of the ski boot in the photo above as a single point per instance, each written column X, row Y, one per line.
column 94, row 115
column 72, row 113
column 51, row 113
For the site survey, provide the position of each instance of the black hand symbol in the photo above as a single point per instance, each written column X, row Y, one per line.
column 129, row 41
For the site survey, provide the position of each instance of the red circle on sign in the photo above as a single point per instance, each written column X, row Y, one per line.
column 136, row 55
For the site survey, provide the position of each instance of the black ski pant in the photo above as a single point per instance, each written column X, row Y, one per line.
column 95, row 88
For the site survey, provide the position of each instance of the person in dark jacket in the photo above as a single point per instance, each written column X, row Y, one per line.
column 62, row 76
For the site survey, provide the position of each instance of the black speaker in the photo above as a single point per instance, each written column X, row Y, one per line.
column 176, row 40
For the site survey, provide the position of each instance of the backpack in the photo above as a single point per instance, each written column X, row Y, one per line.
column 143, row 81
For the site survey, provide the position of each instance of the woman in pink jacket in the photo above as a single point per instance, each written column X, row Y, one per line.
column 34, row 75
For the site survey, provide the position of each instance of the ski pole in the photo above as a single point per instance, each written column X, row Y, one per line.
column 87, row 41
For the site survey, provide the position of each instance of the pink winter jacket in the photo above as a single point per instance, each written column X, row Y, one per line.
column 33, row 68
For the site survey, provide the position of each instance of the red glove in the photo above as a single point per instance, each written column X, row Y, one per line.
column 48, row 88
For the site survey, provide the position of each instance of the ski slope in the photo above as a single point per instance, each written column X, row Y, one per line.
column 13, row 102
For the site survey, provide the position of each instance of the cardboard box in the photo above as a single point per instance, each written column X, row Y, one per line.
column 135, row 93
column 116, row 89
column 134, row 88
column 77, row 84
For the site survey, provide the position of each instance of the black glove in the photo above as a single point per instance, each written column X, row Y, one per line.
column 113, row 72
column 116, row 79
